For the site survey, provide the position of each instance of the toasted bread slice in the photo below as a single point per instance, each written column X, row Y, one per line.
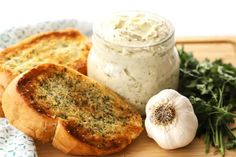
column 67, row 47
column 78, row 115
column 1, row 91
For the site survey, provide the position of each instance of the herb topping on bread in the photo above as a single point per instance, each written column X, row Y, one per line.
column 66, row 47
column 88, row 111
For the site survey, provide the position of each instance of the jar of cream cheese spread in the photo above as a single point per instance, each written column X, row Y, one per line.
column 134, row 54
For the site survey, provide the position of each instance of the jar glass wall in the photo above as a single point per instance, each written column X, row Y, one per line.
column 135, row 70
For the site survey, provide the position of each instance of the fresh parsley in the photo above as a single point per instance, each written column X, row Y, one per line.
column 211, row 88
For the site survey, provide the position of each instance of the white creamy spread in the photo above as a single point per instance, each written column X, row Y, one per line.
column 126, row 57
column 134, row 28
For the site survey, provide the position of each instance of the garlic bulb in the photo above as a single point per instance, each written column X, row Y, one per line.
column 170, row 119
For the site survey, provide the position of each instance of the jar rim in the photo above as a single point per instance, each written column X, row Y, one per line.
column 162, row 41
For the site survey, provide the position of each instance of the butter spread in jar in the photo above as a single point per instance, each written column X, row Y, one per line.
column 134, row 54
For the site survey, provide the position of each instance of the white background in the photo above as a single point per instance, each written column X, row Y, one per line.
column 190, row 18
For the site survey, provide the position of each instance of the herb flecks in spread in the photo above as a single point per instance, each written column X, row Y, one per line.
column 134, row 39
column 139, row 28
column 211, row 88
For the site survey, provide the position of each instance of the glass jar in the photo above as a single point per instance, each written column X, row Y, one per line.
column 136, row 68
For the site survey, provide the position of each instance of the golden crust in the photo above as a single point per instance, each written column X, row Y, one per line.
column 74, row 146
column 1, row 111
column 24, row 117
column 5, row 77
column 80, row 63
column 40, row 125
column 67, row 34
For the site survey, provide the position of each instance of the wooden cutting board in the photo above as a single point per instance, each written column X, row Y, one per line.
column 202, row 47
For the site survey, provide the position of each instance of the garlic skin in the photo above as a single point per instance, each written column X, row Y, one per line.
column 170, row 119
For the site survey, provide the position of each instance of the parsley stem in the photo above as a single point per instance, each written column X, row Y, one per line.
column 207, row 142
column 222, row 147
column 210, row 87
column 217, row 137
column 212, row 130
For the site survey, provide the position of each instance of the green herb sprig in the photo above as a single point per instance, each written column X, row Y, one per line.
column 211, row 88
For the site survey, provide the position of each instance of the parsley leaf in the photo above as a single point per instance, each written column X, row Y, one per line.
column 211, row 87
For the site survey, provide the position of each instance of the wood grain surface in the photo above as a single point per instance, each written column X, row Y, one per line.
column 202, row 47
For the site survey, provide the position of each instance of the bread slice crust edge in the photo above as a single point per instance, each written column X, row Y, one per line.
column 56, row 128
column 6, row 75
